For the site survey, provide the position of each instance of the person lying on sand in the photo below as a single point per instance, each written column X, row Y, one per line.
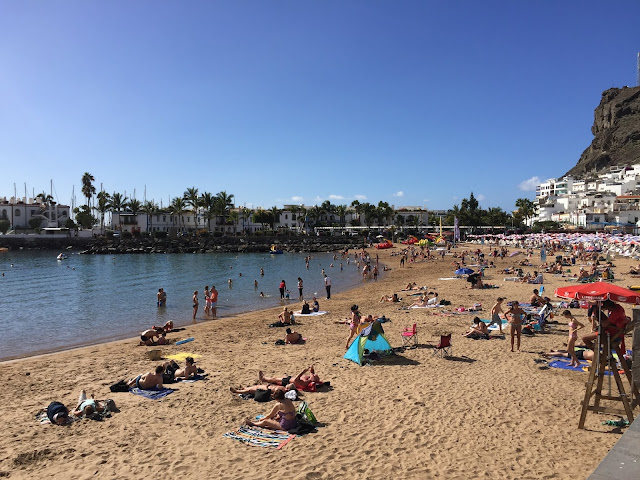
column 281, row 417
column 149, row 380
column 86, row 406
column 581, row 354
column 421, row 302
column 390, row 298
column 479, row 329
column 306, row 380
column 146, row 337
column 253, row 389
column 173, row 372
column 293, row 337
column 57, row 413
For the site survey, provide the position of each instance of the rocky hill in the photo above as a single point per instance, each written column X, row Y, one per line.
column 616, row 132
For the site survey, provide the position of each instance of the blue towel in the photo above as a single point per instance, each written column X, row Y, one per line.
column 151, row 394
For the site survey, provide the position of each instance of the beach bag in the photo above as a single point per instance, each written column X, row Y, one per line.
column 262, row 395
column 121, row 386
column 305, row 414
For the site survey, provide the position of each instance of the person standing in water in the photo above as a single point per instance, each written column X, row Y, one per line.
column 195, row 304
column 299, row 288
column 214, row 301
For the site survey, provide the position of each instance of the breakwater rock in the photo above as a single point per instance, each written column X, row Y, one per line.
column 116, row 245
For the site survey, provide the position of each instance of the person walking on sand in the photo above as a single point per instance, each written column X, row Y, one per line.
column 496, row 310
column 214, row 301
column 300, row 288
column 327, row 285
column 515, row 323
column 195, row 304
column 574, row 326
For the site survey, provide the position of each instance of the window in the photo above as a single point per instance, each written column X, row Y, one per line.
column 33, row 212
column 293, row 216
column 64, row 213
column 164, row 218
column 4, row 213
column 286, row 216
column 17, row 212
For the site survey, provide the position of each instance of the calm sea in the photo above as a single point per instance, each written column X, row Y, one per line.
column 48, row 305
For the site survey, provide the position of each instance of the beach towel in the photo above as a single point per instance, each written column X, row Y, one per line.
column 181, row 356
column 564, row 364
column 185, row 341
column 260, row 437
column 496, row 327
column 312, row 314
column 428, row 306
column 152, row 394
column 42, row 419
column 449, row 278
column 193, row 379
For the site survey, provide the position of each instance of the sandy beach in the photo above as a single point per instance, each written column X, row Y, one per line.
column 483, row 413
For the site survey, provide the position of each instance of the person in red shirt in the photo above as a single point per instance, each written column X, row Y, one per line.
column 614, row 324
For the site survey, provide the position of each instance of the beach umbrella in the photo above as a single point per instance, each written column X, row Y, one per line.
column 464, row 271
column 598, row 291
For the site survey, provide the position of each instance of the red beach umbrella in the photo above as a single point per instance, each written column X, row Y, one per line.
column 598, row 291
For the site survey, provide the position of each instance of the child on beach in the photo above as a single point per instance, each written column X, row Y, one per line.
column 574, row 326
column 496, row 310
column 515, row 322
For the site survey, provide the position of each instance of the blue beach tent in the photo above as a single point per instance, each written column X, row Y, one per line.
column 370, row 338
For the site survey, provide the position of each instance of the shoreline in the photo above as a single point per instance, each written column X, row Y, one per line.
column 482, row 391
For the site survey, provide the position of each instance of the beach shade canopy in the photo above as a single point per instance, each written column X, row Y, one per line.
column 464, row 271
column 371, row 338
column 513, row 254
column 598, row 292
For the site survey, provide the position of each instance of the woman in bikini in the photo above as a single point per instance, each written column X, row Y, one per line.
column 195, row 304
column 281, row 417
column 574, row 326
column 355, row 323
column 515, row 322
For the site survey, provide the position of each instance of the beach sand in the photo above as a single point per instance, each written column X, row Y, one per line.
column 483, row 413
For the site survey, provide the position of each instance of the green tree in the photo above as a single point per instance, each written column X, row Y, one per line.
column 104, row 204
column 207, row 201
column 275, row 217
column 177, row 209
column 341, row 211
column 87, row 187
column 384, row 212
column 526, row 208
column 84, row 217
column 4, row 226
column 192, row 200
column 223, row 203
column 119, row 202
column 35, row 222
column 150, row 208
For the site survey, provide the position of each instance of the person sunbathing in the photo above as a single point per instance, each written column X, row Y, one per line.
column 57, row 413
column 281, row 417
column 412, row 286
column 87, row 406
column 306, row 380
column 254, row 389
column 479, row 329
column 285, row 317
column 581, row 354
column 149, row 380
column 421, row 302
column 584, row 275
column 173, row 372
column 390, row 298
column 293, row 337
column 634, row 270
column 536, row 300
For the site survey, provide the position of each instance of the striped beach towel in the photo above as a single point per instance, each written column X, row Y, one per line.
column 260, row 437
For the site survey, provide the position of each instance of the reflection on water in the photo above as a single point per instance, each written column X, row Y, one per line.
column 48, row 305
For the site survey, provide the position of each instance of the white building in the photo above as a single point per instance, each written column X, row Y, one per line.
column 19, row 212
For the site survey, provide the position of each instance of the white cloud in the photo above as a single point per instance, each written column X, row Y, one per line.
column 481, row 197
column 360, row 197
column 336, row 197
column 530, row 184
column 399, row 194
column 296, row 199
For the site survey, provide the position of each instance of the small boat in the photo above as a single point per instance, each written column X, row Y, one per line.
column 4, row 249
column 275, row 250
column 62, row 256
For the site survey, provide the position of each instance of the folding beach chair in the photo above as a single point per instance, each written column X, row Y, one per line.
column 410, row 335
column 444, row 346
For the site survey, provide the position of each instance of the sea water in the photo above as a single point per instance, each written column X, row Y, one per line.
column 48, row 304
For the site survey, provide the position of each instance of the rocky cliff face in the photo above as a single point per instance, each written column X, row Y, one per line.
column 616, row 131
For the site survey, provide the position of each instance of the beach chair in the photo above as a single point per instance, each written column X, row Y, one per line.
column 444, row 346
column 410, row 335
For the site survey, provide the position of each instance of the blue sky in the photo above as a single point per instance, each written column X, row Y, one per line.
column 409, row 102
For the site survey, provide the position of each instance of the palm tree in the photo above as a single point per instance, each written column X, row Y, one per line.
column 104, row 202
column 233, row 218
column 526, row 208
column 302, row 215
column 87, row 187
column 341, row 211
column 150, row 208
column 384, row 212
column 118, row 203
column 177, row 208
column 207, row 201
column 191, row 198
column 224, row 203
column 246, row 215
column 358, row 208
column 275, row 214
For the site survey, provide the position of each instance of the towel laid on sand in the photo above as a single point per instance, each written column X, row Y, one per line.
column 260, row 437
column 181, row 356
column 152, row 394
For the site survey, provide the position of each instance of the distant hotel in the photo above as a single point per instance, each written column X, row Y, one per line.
column 608, row 200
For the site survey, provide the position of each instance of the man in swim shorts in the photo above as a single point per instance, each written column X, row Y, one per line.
column 496, row 310
column 214, row 301
column 304, row 381
column 149, row 380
